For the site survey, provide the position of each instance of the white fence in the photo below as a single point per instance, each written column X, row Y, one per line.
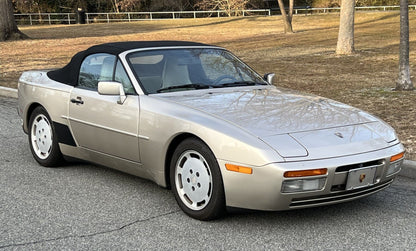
column 70, row 18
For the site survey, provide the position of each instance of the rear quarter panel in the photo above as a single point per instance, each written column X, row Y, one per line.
column 34, row 89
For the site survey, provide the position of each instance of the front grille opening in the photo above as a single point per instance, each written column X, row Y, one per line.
column 340, row 187
column 359, row 165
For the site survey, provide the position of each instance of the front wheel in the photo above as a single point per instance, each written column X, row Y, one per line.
column 196, row 180
column 43, row 140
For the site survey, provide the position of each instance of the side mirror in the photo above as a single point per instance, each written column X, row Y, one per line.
column 112, row 88
column 269, row 77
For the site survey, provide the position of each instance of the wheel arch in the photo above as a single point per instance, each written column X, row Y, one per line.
column 29, row 112
column 47, row 153
column 169, row 153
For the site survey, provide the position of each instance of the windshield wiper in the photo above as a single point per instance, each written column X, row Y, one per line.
column 239, row 83
column 194, row 86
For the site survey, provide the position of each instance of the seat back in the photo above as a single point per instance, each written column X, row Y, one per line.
column 175, row 73
column 107, row 69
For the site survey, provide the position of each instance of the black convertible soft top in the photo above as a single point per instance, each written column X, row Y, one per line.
column 69, row 73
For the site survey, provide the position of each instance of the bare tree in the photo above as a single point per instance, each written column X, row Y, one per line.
column 115, row 5
column 229, row 6
column 8, row 26
column 290, row 14
column 287, row 18
column 345, row 43
column 130, row 5
column 404, row 82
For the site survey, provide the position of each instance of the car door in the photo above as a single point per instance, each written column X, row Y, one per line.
column 99, row 122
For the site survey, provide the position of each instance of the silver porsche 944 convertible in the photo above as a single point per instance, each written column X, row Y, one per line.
column 196, row 119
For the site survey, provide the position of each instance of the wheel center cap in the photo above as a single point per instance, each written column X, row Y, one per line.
column 193, row 180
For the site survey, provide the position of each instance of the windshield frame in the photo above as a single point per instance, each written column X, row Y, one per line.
column 236, row 61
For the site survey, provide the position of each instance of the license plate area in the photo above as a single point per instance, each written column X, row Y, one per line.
column 359, row 178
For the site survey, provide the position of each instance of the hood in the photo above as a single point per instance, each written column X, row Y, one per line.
column 270, row 111
column 294, row 124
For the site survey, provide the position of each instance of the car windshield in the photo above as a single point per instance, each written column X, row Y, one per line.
column 169, row 70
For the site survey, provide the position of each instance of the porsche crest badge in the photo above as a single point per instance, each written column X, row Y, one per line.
column 362, row 177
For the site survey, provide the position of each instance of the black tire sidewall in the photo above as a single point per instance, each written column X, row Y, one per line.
column 55, row 157
column 216, row 206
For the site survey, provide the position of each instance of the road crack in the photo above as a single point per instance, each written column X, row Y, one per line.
column 92, row 234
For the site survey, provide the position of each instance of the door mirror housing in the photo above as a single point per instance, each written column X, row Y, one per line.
column 269, row 77
column 112, row 88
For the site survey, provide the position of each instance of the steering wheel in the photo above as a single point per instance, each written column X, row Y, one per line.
column 223, row 77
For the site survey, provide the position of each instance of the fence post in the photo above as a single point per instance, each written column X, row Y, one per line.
column 108, row 18
column 151, row 16
column 128, row 14
column 49, row 19
column 30, row 18
column 194, row 14
column 69, row 18
column 173, row 15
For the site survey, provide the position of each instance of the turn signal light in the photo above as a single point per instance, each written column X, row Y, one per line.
column 305, row 173
column 396, row 157
column 239, row 169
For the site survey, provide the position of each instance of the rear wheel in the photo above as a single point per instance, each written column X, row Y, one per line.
column 196, row 180
column 43, row 140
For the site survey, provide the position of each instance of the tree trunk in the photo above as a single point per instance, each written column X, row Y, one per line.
column 345, row 44
column 8, row 26
column 286, row 21
column 115, row 6
column 228, row 8
column 290, row 14
column 404, row 82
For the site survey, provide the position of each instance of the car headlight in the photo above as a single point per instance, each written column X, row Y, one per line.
column 303, row 185
column 302, row 181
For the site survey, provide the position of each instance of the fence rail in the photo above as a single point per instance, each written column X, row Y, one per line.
column 71, row 18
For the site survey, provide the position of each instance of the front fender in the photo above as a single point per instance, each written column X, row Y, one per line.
column 161, row 121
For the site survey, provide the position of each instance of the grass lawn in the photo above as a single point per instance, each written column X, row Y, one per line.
column 304, row 60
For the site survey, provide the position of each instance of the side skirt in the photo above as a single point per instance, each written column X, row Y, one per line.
column 106, row 160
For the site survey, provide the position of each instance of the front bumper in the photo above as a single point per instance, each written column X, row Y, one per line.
column 261, row 190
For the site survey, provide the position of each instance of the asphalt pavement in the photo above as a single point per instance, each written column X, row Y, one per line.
column 82, row 206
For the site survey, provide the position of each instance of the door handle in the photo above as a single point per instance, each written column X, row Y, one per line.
column 77, row 101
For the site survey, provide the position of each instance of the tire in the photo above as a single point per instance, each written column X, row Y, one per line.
column 43, row 140
column 196, row 180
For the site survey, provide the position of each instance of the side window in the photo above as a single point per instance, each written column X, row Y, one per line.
column 122, row 77
column 95, row 68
